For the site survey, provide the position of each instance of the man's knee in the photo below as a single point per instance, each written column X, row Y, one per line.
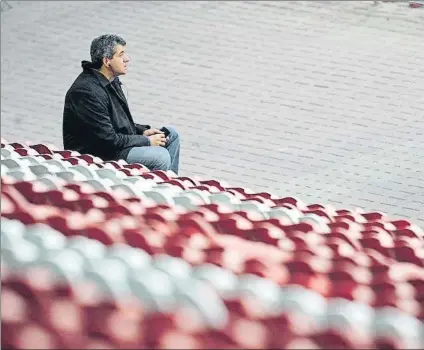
column 161, row 160
column 173, row 133
column 155, row 157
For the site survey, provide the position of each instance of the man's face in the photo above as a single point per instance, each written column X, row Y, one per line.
column 120, row 60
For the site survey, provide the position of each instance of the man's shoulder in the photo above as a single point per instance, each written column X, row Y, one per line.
column 85, row 79
column 85, row 83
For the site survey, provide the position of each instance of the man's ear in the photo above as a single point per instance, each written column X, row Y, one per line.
column 106, row 62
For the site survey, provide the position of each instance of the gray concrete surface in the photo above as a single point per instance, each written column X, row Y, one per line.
column 322, row 100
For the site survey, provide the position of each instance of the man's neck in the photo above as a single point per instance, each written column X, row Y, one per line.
column 107, row 73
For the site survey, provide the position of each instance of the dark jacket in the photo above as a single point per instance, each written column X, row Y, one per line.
column 97, row 119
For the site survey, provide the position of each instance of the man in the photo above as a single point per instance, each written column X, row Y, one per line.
column 97, row 118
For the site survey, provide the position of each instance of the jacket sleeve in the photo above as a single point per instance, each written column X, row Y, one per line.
column 141, row 128
column 92, row 110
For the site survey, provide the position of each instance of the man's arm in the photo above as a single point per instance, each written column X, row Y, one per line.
column 92, row 110
column 141, row 128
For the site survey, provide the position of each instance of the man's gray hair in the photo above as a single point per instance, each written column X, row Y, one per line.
column 104, row 46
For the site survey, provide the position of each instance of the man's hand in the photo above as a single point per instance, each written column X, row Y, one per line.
column 150, row 132
column 157, row 139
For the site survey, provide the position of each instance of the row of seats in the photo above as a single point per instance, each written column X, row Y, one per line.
column 333, row 269
column 81, row 168
column 188, row 246
column 401, row 245
column 163, row 285
column 133, row 188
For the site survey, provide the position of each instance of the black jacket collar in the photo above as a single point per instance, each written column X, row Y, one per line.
column 115, row 83
column 88, row 66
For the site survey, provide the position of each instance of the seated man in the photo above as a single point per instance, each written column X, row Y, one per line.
column 97, row 118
